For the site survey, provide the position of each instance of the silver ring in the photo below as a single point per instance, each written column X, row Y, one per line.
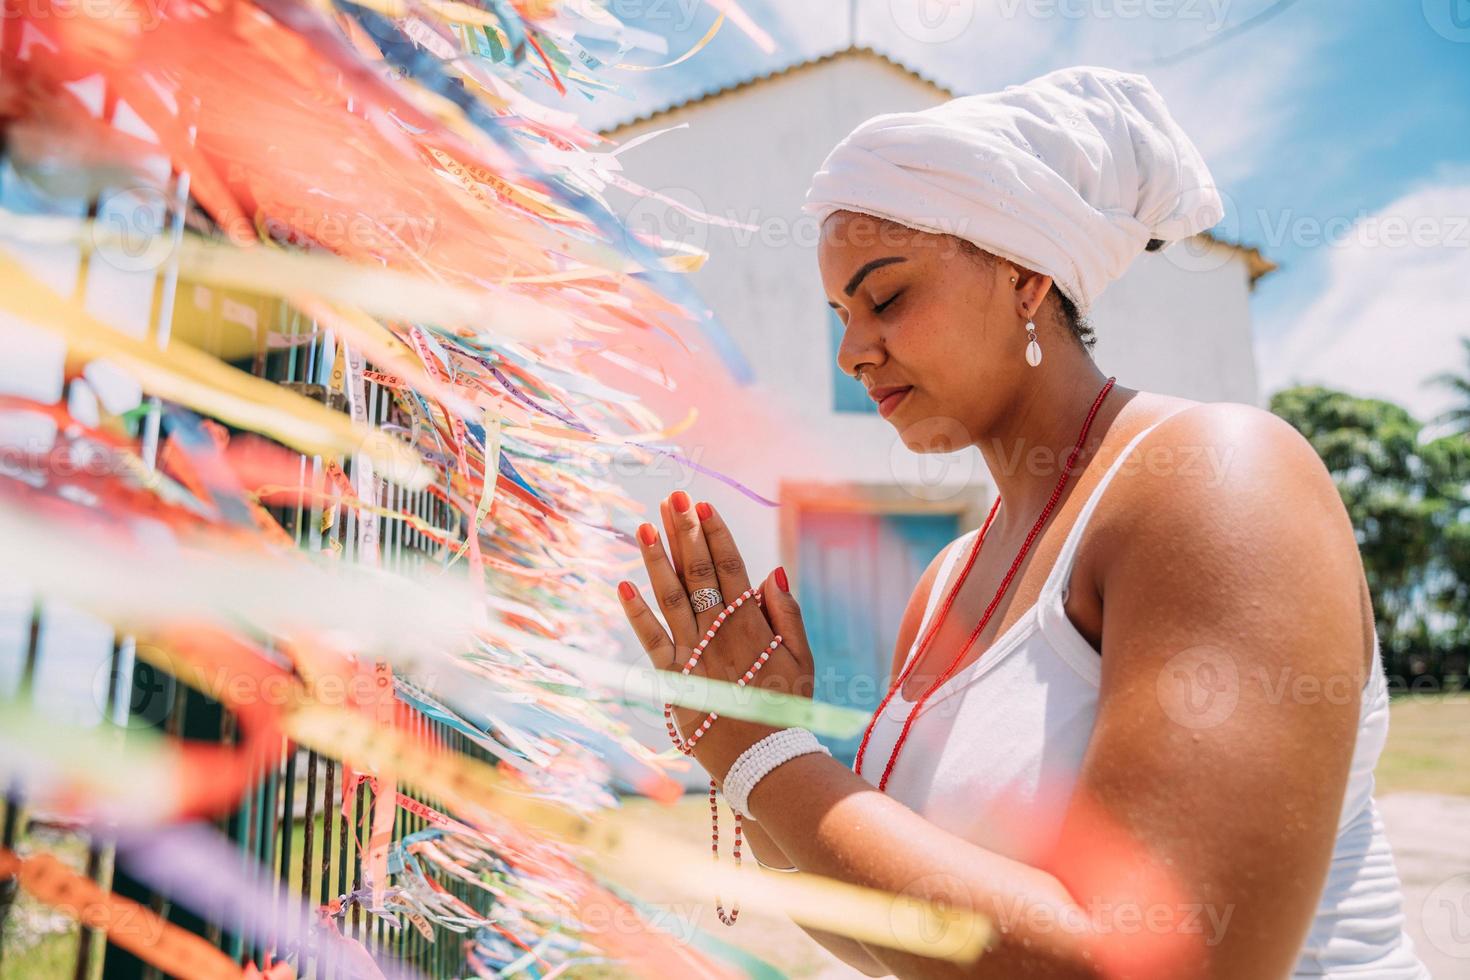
column 705, row 599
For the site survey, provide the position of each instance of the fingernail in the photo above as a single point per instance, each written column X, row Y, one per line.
column 625, row 589
column 681, row 501
column 781, row 582
column 647, row 534
column 704, row 510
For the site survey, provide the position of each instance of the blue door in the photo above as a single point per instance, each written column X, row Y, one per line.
column 857, row 571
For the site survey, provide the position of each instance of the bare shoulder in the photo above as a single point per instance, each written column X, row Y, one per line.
column 1225, row 507
column 1211, row 460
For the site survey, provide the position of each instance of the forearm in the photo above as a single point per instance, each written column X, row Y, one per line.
column 829, row 821
column 850, row 951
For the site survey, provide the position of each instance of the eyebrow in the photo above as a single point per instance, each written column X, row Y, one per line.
column 861, row 274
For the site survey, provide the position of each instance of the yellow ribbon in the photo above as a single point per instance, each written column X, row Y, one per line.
column 193, row 378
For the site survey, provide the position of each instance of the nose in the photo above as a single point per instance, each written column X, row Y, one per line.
column 861, row 347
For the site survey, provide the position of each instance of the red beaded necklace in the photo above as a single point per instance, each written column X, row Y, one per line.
column 949, row 601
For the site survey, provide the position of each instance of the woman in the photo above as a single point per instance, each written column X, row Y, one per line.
column 1136, row 730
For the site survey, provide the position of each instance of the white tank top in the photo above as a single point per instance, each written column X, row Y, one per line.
column 1000, row 745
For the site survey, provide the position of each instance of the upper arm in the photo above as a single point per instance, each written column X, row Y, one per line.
column 913, row 614
column 1231, row 669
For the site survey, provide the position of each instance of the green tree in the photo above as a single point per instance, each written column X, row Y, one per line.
column 1400, row 495
column 1447, row 461
column 1459, row 416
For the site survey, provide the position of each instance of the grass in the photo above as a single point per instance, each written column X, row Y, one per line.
column 40, row 943
column 1428, row 745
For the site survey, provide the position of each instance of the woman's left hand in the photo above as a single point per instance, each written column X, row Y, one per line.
column 704, row 556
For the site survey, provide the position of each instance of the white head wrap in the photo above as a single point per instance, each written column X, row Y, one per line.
column 1069, row 175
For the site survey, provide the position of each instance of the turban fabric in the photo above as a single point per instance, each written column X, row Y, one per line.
column 1069, row 175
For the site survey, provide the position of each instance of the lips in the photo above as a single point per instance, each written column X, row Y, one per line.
column 889, row 397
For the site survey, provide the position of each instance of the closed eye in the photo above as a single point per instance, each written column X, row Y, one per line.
column 887, row 302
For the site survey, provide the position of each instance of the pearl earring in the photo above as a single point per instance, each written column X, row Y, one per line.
column 1033, row 349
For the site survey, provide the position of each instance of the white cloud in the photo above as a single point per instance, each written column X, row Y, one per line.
column 1392, row 309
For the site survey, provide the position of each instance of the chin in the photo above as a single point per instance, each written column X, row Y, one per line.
column 930, row 434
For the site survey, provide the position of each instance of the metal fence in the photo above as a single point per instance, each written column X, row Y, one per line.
column 290, row 828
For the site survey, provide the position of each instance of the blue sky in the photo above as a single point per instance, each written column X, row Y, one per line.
column 1338, row 131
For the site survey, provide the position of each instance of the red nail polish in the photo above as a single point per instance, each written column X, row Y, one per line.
column 625, row 589
column 680, row 501
column 704, row 510
column 647, row 534
column 781, row 582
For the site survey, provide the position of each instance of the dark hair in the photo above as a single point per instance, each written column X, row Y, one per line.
column 1078, row 324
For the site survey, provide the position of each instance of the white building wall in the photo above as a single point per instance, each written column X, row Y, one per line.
column 1177, row 324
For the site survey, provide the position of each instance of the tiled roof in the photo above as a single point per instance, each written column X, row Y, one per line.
column 1257, row 265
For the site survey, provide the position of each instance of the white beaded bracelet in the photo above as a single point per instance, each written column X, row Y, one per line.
column 765, row 755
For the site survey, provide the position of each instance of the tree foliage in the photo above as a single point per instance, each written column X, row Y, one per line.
column 1407, row 498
